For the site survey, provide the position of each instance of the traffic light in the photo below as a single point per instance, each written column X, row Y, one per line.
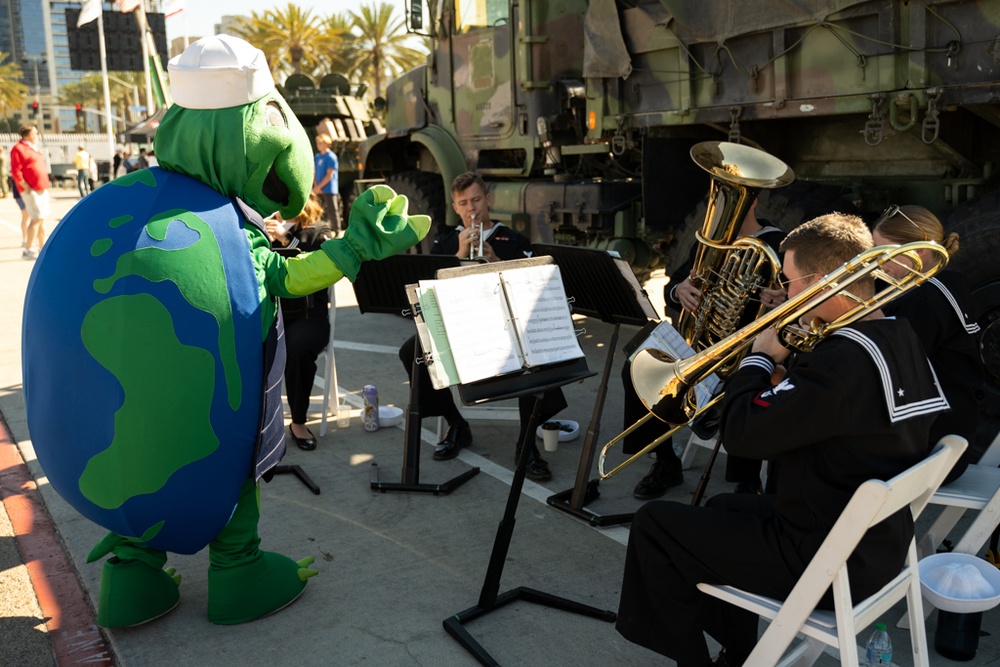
column 79, row 113
column 34, row 109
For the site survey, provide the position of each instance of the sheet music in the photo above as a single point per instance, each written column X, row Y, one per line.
column 666, row 338
column 541, row 315
column 434, row 341
column 474, row 313
column 640, row 294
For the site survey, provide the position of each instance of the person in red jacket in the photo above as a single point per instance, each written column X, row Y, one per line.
column 31, row 178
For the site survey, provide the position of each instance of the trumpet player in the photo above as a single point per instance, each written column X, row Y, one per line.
column 478, row 234
column 858, row 406
column 683, row 293
column 472, row 202
column 940, row 311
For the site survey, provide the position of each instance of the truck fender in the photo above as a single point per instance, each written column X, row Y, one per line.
column 448, row 156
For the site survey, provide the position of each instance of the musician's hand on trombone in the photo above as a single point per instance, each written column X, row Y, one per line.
column 768, row 343
column 688, row 294
column 771, row 298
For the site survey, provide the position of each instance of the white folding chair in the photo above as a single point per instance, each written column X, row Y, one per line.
column 977, row 489
column 328, row 382
column 874, row 501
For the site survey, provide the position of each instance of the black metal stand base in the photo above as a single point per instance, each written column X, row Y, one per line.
column 409, row 479
column 564, row 501
column 489, row 600
column 586, row 490
column 442, row 488
column 454, row 624
column 298, row 472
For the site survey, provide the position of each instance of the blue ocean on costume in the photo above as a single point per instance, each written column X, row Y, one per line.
column 143, row 359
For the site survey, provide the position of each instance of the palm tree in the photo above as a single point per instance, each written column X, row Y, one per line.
column 285, row 36
column 383, row 45
column 335, row 48
column 13, row 92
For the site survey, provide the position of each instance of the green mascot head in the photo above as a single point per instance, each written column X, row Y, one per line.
column 230, row 129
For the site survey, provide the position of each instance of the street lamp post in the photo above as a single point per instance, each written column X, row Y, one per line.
column 38, row 89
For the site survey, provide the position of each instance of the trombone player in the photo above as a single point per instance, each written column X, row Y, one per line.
column 832, row 422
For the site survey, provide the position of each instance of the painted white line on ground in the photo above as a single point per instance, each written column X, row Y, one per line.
column 487, row 466
column 14, row 228
column 365, row 347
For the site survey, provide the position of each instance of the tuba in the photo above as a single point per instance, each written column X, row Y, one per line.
column 665, row 385
column 729, row 270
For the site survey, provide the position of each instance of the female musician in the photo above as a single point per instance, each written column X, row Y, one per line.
column 307, row 319
column 940, row 311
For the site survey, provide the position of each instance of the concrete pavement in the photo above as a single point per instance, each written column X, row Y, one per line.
column 392, row 565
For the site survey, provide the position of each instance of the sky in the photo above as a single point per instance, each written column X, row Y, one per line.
column 201, row 15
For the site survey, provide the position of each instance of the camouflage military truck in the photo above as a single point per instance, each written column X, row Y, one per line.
column 345, row 107
column 581, row 116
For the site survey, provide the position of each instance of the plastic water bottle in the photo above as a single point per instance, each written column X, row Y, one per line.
column 878, row 651
column 370, row 413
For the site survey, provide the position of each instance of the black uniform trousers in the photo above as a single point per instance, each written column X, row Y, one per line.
column 305, row 337
column 670, row 551
column 436, row 402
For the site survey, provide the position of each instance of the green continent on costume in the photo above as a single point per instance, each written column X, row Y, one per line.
column 184, row 384
column 204, row 290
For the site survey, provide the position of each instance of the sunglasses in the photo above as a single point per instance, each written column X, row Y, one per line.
column 895, row 210
column 786, row 282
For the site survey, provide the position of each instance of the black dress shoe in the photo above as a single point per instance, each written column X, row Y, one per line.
column 538, row 468
column 751, row 487
column 307, row 444
column 660, row 477
column 458, row 436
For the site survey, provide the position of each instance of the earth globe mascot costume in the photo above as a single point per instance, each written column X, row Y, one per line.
column 151, row 325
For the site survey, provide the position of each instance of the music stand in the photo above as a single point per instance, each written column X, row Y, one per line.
column 604, row 287
column 534, row 382
column 381, row 288
column 296, row 469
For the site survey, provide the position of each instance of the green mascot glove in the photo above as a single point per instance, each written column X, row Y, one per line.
column 379, row 228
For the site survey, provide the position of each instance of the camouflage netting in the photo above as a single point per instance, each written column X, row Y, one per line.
column 605, row 53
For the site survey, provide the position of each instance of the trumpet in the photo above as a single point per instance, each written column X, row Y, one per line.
column 665, row 385
column 474, row 255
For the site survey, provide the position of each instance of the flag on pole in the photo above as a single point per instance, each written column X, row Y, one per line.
column 126, row 6
column 90, row 10
column 173, row 7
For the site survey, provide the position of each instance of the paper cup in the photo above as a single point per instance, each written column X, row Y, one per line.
column 550, row 436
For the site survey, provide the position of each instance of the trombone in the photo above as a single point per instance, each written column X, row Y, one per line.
column 664, row 384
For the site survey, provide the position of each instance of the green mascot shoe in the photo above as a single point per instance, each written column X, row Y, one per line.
column 245, row 583
column 252, row 590
column 134, row 592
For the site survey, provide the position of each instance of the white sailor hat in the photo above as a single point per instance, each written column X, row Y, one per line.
column 219, row 72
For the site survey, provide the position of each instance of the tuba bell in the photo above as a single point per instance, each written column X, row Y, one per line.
column 729, row 270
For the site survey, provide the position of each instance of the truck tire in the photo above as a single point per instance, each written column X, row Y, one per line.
column 425, row 190
column 977, row 223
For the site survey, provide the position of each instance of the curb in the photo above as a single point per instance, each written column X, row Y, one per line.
column 69, row 619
